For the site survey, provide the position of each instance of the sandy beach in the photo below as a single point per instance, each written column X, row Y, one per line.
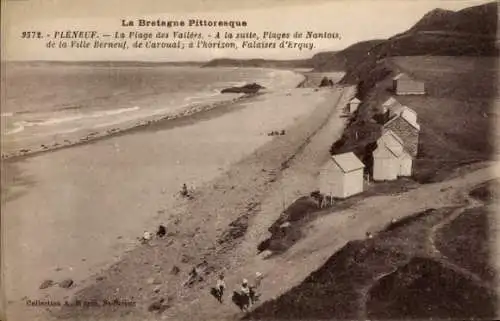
column 76, row 211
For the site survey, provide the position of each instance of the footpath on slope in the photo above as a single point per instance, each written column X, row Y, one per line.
column 330, row 233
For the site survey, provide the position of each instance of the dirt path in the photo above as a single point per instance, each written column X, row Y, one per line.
column 471, row 202
column 324, row 237
column 328, row 234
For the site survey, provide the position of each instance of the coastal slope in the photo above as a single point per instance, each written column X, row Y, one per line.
column 419, row 259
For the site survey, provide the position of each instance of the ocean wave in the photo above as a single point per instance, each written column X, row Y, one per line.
column 59, row 120
column 203, row 96
column 116, row 111
column 221, row 85
column 18, row 127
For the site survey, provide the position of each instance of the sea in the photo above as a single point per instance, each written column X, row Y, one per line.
column 45, row 98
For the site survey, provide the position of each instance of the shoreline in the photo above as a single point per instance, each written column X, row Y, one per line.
column 199, row 110
column 90, row 136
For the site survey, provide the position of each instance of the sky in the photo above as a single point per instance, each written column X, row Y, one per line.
column 353, row 20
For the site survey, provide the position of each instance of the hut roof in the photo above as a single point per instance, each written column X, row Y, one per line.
column 409, row 113
column 347, row 162
column 402, row 75
column 391, row 102
column 355, row 100
column 408, row 117
column 393, row 143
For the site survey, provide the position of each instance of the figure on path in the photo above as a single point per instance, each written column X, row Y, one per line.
column 258, row 279
column 242, row 301
column 146, row 237
column 245, row 289
column 219, row 288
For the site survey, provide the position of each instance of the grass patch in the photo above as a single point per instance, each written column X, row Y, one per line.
column 466, row 242
column 424, row 289
column 488, row 192
column 337, row 289
column 286, row 231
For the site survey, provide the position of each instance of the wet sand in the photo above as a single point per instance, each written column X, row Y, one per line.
column 87, row 204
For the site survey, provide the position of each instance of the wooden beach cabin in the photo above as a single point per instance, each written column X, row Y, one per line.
column 403, row 84
column 406, row 127
column 390, row 158
column 342, row 176
column 352, row 105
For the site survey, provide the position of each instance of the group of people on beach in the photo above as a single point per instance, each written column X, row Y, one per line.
column 162, row 230
column 147, row 236
column 245, row 297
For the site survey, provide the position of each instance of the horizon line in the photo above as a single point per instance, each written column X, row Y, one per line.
column 152, row 61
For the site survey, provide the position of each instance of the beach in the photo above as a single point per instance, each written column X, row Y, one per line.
column 78, row 210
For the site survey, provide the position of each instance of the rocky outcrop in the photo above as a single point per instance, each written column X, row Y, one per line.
column 326, row 82
column 246, row 89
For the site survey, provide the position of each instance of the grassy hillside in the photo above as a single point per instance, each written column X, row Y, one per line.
column 397, row 274
column 344, row 59
column 468, row 32
column 457, row 116
column 324, row 61
column 480, row 19
column 413, row 269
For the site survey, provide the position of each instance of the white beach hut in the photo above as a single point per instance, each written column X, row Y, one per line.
column 390, row 159
column 342, row 176
column 405, row 85
column 353, row 105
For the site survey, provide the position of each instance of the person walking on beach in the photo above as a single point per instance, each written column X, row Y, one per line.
column 221, row 286
column 184, row 190
column 162, row 230
column 146, row 237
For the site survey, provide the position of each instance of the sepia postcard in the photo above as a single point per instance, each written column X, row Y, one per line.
column 249, row 160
